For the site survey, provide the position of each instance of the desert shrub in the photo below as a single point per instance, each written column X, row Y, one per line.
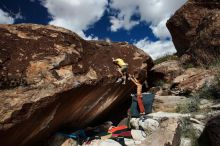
column 190, row 106
column 188, row 65
column 165, row 58
column 188, row 131
column 208, row 92
column 211, row 90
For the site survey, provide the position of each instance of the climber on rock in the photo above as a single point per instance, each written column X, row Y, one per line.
column 139, row 94
column 123, row 69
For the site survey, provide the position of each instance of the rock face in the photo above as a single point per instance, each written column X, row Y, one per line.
column 167, row 70
column 162, row 76
column 193, row 79
column 160, row 129
column 195, row 30
column 174, row 79
column 211, row 133
column 167, row 103
column 50, row 77
column 168, row 134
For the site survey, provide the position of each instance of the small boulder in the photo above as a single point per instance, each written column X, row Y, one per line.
column 131, row 142
column 138, row 135
column 70, row 142
column 149, row 125
column 211, row 133
column 167, row 135
column 98, row 142
column 134, row 122
column 146, row 124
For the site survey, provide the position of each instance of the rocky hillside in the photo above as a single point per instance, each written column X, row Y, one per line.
column 188, row 86
column 50, row 78
column 174, row 78
column 195, row 30
column 191, row 95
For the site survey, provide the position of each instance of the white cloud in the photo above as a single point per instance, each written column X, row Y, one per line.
column 76, row 15
column 156, row 49
column 155, row 12
column 160, row 30
column 79, row 15
column 90, row 37
column 18, row 15
column 122, row 18
column 118, row 23
column 5, row 18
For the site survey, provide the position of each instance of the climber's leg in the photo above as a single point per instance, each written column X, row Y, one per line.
column 140, row 104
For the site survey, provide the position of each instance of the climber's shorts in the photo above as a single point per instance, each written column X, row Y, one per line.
column 124, row 68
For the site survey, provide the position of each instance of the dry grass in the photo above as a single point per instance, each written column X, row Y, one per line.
column 165, row 58
column 188, row 131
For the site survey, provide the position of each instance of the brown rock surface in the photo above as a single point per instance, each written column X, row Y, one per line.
column 195, row 30
column 171, row 78
column 167, row 70
column 167, row 103
column 192, row 80
column 168, row 134
column 50, row 77
column 211, row 133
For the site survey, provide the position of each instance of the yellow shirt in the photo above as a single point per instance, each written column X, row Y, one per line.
column 120, row 62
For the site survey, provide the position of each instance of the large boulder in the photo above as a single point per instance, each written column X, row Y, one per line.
column 195, row 30
column 211, row 133
column 162, row 76
column 51, row 78
column 166, row 71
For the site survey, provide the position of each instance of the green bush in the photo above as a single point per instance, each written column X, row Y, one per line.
column 210, row 91
column 188, row 131
column 189, row 107
column 165, row 58
column 207, row 92
column 188, row 65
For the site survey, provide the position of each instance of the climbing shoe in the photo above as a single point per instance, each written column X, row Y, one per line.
column 119, row 80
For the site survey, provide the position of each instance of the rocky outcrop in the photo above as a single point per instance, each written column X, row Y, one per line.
column 162, row 76
column 172, row 78
column 195, row 30
column 160, row 129
column 168, row 103
column 50, row 78
column 168, row 134
column 211, row 133
column 192, row 80
column 166, row 71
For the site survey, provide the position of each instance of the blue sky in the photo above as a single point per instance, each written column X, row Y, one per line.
column 139, row 22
